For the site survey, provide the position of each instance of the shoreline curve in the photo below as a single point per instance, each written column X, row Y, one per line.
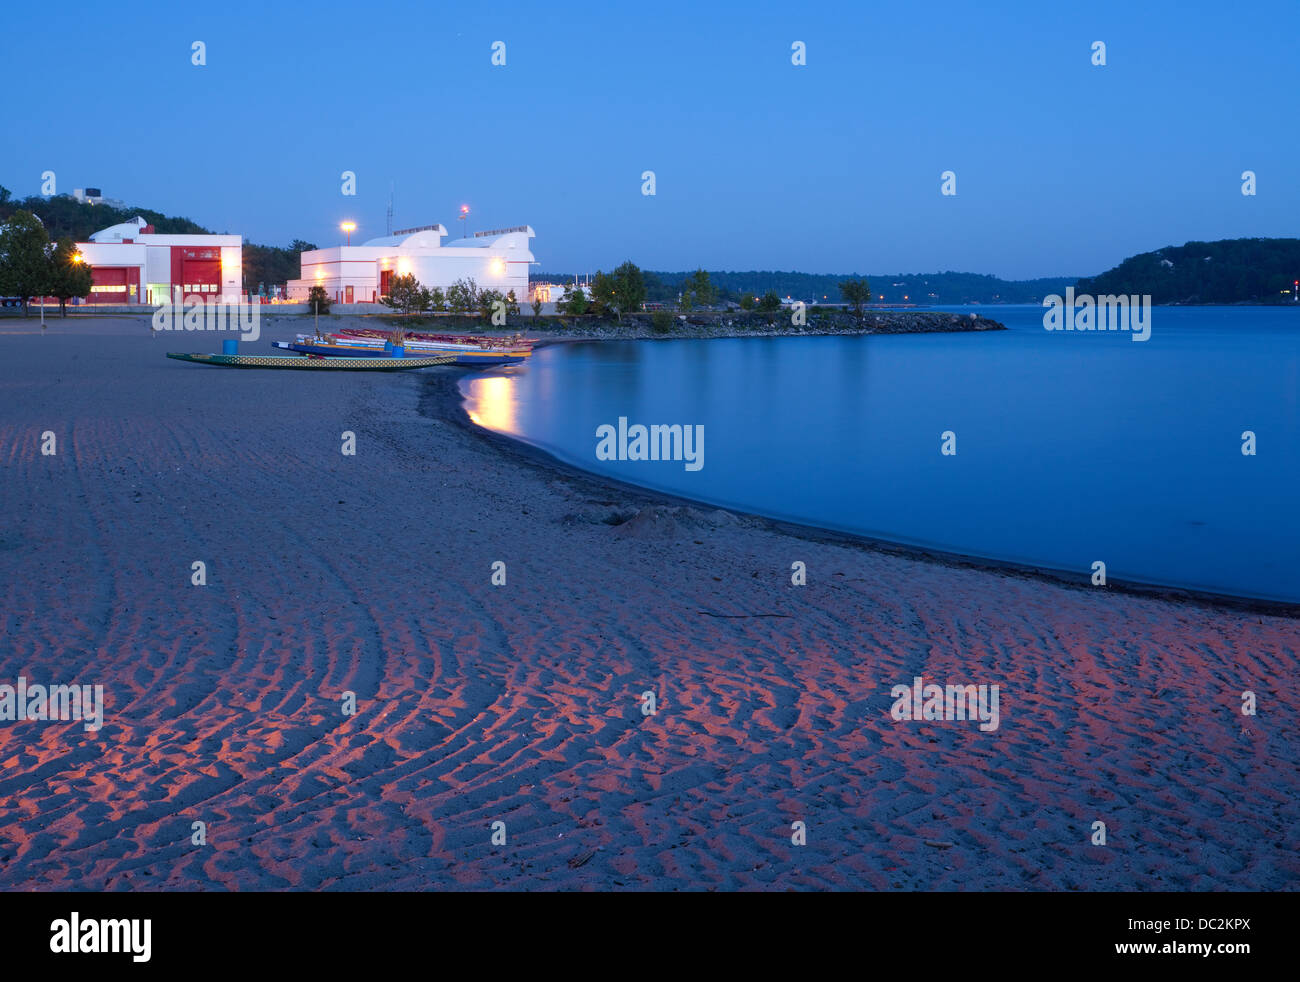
column 444, row 399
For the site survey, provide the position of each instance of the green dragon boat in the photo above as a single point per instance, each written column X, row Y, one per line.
column 298, row 362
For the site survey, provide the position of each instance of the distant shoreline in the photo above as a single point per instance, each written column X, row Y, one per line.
column 640, row 327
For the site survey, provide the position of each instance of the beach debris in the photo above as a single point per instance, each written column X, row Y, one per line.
column 710, row 613
column 582, row 860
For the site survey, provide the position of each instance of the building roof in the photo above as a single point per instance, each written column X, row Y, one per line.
column 116, row 233
column 429, row 237
column 509, row 238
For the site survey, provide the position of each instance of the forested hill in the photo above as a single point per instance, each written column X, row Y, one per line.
column 917, row 288
column 1226, row 271
column 64, row 215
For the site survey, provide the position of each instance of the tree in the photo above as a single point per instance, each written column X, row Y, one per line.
column 702, row 288
column 770, row 303
column 272, row 265
column 512, row 303
column 629, row 287
column 318, row 300
column 403, row 293
column 70, row 276
column 656, row 289
column 575, row 301
column 462, row 296
column 487, row 301
column 25, row 267
column 536, row 305
column 603, row 294
column 856, row 294
column 747, row 301
column 437, row 299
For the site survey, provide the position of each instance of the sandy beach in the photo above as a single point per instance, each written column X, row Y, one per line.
column 522, row 703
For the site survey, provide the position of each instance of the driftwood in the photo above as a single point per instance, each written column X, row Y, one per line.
column 709, row 613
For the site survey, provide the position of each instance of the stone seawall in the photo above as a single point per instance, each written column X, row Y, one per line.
column 744, row 325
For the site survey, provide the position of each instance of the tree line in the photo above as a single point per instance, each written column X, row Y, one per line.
column 626, row 290
column 917, row 288
column 408, row 296
column 606, row 295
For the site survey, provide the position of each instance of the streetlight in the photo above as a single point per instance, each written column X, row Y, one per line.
column 349, row 228
column 464, row 214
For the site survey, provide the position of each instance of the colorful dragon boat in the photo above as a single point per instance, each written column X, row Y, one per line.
column 466, row 351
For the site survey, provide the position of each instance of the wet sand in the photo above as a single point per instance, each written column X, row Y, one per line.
column 522, row 703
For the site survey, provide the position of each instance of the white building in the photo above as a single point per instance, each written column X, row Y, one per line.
column 557, row 292
column 130, row 263
column 494, row 260
column 94, row 196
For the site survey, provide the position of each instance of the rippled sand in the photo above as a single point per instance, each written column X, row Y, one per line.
column 522, row 703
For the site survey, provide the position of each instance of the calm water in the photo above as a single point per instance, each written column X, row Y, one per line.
column 1070, row 447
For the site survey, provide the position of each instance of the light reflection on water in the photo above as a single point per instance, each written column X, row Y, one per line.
column 491, row 403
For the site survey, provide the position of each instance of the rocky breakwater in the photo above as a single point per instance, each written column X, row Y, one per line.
column 752, row 324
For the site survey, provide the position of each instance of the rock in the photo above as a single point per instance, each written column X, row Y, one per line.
column 654, row 523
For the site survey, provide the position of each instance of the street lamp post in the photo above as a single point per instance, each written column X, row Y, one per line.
column 349, row 228
column 464, row 214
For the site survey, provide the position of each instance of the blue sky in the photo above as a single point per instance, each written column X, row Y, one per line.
column 1062, row 168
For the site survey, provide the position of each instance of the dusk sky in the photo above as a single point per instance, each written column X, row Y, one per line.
column 1062, row 168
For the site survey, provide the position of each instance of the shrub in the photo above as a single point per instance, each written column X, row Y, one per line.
column 318, row 300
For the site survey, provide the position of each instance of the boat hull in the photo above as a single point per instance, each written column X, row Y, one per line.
column 461, row 357
column 298, row 363
column 361, row 334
